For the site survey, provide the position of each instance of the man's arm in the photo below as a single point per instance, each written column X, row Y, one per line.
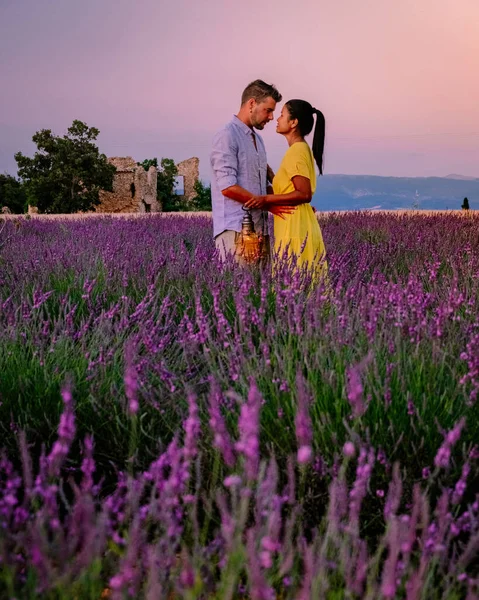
column 236, row 192
column 224, row 160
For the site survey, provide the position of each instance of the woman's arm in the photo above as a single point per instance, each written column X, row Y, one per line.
column 269, row 180
column 302, row 194
column 236, row 192
column 269, row 174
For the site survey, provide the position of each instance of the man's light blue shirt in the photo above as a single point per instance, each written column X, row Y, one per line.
column 236, row 161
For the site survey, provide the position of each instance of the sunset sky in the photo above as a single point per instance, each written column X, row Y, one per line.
column 398, row 80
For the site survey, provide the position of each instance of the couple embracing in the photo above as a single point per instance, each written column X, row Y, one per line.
column 243, row 180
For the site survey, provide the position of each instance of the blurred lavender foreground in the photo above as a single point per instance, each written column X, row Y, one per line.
column 177, row 428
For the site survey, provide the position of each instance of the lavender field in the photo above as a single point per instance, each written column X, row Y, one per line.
column 177, row 428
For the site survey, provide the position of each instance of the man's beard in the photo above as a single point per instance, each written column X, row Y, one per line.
column 258, row 124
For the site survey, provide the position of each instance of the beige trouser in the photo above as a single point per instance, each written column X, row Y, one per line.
column 226, row 245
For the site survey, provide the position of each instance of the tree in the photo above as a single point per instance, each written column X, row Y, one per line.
column 149, row 162
column 202, row 200
column 166, row 184
column 12, row 194
column 465, row 204
column 66, row 173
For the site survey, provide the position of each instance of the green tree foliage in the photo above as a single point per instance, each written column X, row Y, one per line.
column 66, row 173
column 165, row 186
column 202, row 200
column 465, row 204
column 149, row 162
column 12, row 194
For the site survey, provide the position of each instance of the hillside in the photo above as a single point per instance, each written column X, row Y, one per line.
column 355, row 192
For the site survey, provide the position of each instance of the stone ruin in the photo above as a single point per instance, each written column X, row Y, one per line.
column 190, row 171
column 134, row 189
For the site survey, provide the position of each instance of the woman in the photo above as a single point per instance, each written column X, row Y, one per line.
column 294, row 184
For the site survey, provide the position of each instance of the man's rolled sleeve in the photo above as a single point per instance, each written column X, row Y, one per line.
column 224, row 160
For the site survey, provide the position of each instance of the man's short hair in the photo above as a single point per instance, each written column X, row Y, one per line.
column 259, row 90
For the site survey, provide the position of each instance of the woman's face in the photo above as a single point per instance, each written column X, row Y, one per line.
column 283, row 123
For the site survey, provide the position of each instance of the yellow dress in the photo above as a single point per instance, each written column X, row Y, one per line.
column 299, row 233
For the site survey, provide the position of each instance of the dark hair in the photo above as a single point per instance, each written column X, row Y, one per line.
column 259, row 90
column 303, row 111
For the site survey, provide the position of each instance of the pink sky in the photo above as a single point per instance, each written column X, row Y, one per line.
column 397, row 79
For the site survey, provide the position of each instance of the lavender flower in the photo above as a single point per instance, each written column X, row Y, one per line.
column 304, row 433
column 355, row 391
column 359, row 490
column 460, row 486
column 443, row 455
column 131, row 382
column 349, row 450
column 192, row 427
column 221, row 439
column 66, row 433
column 248, row 443
column 259, row 589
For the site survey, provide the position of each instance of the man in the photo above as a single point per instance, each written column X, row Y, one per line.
column 240, row 169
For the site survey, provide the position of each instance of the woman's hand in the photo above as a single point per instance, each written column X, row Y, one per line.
column 277, row 208
column 281, row 210
column 256, row 202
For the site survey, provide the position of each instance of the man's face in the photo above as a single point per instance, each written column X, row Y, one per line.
column 262, row 113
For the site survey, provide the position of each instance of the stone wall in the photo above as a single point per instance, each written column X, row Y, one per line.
column 190, row 171
column 134, row 189
column 149, row 187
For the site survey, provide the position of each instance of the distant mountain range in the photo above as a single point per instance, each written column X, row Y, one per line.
column 461, row 177
column 357, row 192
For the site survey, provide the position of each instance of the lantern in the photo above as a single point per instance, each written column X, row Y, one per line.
column 249, row 245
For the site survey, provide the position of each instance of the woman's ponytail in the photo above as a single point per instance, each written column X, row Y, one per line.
column 318, row 139
column 303, row 111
